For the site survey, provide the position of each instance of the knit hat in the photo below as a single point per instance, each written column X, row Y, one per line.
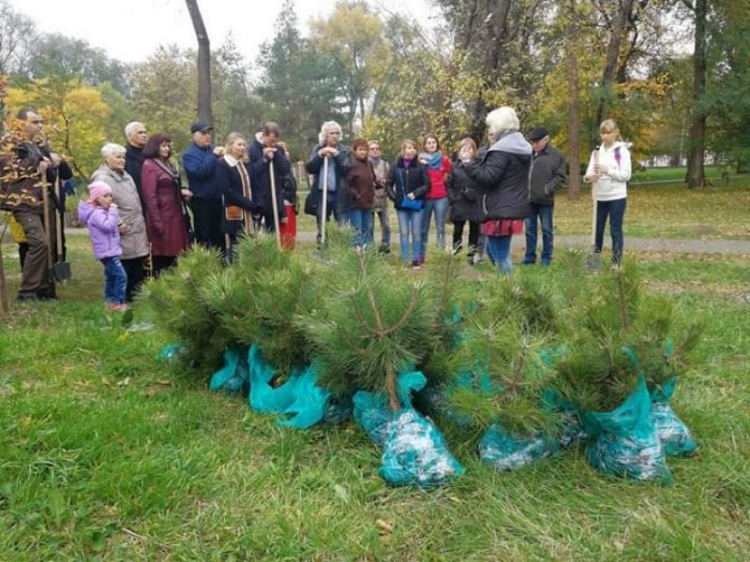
column 98, row 189
column 538, row 134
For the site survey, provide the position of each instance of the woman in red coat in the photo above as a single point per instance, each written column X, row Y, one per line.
column 166, row 219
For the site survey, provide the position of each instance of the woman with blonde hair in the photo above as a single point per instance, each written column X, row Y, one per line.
column 609, row 171
column 407, row 185
column 233, row 179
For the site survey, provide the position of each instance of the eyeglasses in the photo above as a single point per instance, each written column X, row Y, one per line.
column 374, row 148
column 37, row 122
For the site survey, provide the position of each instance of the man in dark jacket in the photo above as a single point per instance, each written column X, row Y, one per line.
column 264, row 153
column 25, row 160
column 200, row 166
column 329, row 149
column 547, row 176
column 136, row 136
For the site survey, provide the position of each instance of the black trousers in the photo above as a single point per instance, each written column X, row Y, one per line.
column 458, row 233
column 207, row 222
column 136, row 273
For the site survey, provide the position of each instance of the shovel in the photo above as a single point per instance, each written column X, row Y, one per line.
column 61, row 270
column 594, row 261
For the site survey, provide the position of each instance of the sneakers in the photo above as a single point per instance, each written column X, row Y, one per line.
column 116, row 307
column 416, row 264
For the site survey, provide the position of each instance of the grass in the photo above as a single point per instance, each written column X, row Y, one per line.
column 108, row 453
column 664, row 211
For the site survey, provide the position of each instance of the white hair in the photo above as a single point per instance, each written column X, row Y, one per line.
column 131, row 127
column 111, row 149
column 502, row 120
column 326, row 128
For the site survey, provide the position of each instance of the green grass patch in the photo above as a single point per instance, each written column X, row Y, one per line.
column 108, row 453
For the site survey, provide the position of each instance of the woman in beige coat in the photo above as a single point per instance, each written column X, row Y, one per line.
column 133, row 235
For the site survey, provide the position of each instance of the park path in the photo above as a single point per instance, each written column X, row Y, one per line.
column 675, row 245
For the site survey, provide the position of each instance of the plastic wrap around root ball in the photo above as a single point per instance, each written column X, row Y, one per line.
column 674, row 435
column 233, row 377
column 300, row 401
column 625, row 442
column 415, row 453
column 506, row 451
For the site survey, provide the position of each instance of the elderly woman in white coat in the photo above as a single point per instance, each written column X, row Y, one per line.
column 133, row 235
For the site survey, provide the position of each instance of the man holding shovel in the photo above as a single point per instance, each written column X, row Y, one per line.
column 26, row 167
column 269, row 166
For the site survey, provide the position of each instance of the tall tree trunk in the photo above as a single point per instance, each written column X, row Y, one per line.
column 497, row 20
column 696, row 173
column 617, row 34
column 4, row 308
column 574, row 100
column 204, row 63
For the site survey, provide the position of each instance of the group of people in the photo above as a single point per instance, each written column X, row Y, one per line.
column 141, row 217
column 499, row 190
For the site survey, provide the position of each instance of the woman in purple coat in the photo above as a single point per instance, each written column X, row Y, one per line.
column 162, row 198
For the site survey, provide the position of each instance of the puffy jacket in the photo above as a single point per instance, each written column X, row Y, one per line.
column 403, row 180
column 503, row 175
column 200, row 167
column 103, row 229
column 547, row 175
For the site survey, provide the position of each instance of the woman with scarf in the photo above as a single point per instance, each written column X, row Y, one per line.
column 163, row 197
column 407, row 185
column 436, row 201
column 233, row 180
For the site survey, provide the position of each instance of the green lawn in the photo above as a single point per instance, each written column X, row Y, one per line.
column 109, row 454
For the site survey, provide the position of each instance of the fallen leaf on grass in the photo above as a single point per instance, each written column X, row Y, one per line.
column 164, row 382
column 384, row 527
column 124, row 382
column 341, row 493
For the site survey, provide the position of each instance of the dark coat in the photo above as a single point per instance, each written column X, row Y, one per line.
column 503, row 175
column 133, row 164
column 262, row 179
column 547, row 175
column 362, row 184
column 229, row 181
column 167, row 230
column 200, row 167
column 403, row 180
column 464, row 195
column 342, row 163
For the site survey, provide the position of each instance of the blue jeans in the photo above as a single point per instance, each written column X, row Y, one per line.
column 542, row 213
column 409, row 227
column 385, row 227
column 440, row 208
column 498, row 249
column 361, row 220
column 115, row 281
column 616, row 212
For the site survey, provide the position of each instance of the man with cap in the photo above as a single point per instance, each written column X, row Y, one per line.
column 200, row 166
column 547, row 176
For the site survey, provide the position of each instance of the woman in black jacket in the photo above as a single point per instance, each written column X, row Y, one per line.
column 463, row 195
column 233, row 179
column 407, row 185
column 503, row 175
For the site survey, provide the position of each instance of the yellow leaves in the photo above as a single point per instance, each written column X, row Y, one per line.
column 75, row 117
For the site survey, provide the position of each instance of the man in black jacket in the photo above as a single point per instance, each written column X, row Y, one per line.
column 136, row 136
column 547, row 176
